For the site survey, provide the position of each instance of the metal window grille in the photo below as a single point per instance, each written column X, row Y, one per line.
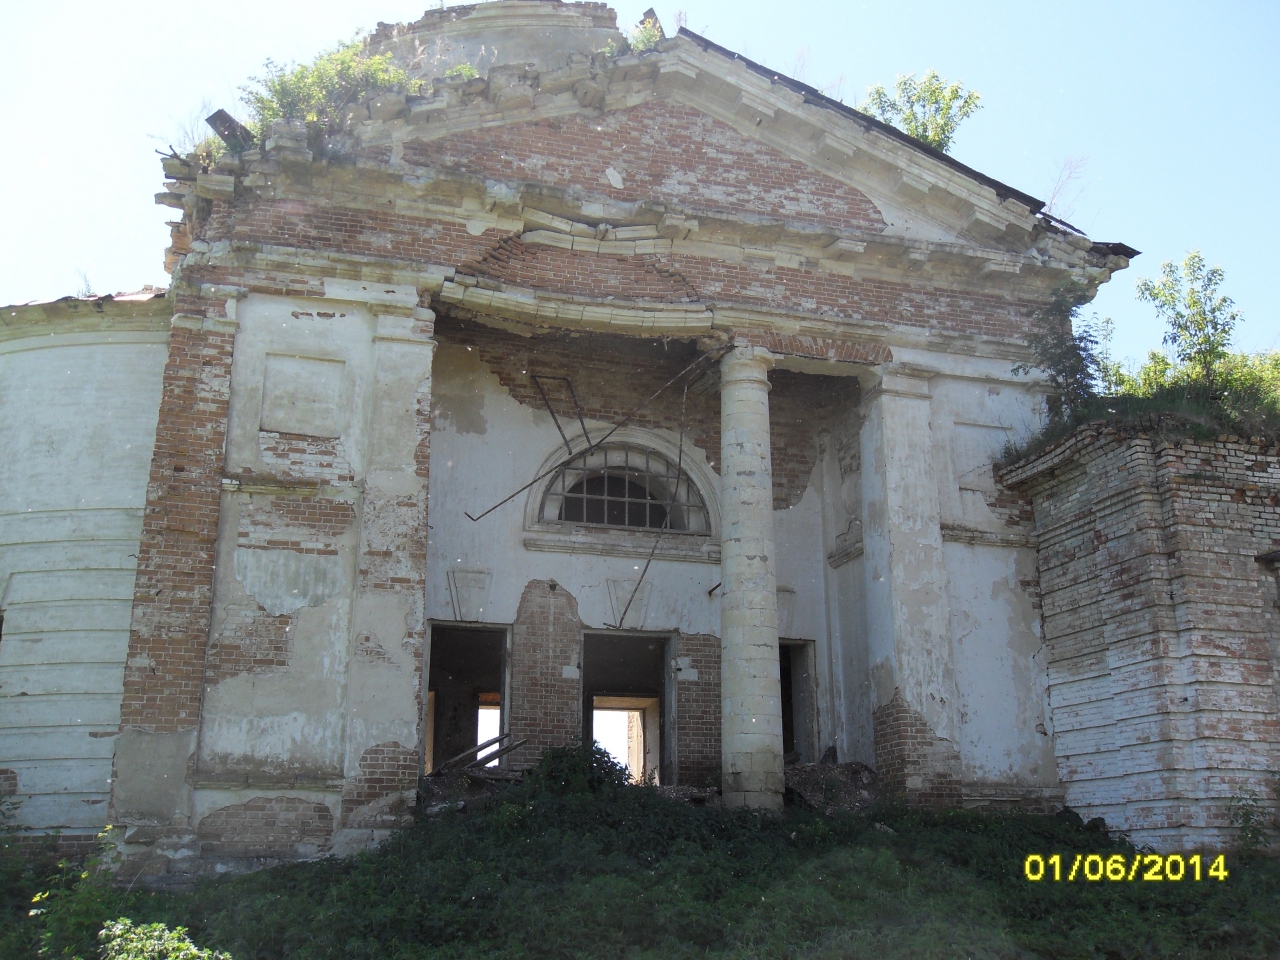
column 618, row 485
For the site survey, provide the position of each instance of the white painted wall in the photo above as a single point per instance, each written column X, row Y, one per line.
column 485, row 445
column 77, row 426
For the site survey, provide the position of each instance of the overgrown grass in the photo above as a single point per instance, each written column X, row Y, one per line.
column 1165, row 399
column 626, row 872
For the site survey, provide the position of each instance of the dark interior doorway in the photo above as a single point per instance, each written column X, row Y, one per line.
column 464, row 687
column 627, row 674
column 795, row 668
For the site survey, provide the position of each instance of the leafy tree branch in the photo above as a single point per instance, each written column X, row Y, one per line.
column 929, row 109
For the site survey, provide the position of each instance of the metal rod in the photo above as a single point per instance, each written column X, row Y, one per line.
column 537, row 382
column 666, row 521
column 597, row 444
column 578, row 409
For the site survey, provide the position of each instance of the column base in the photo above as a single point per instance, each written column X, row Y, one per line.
column 753, row 799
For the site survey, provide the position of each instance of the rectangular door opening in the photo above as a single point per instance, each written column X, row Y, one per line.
column 795, row 669
column 464, row 691
column 623, row 685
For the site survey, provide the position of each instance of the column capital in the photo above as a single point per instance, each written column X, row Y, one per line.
column 902, row 380
column 745, row 363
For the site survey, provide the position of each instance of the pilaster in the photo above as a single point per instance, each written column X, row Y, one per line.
column 915, row 718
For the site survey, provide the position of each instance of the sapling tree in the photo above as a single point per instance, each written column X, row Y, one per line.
column 1200, row 319
column 1066, row 349
column 929, row 109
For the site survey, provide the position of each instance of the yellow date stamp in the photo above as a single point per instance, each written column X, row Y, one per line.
column 1119, row 868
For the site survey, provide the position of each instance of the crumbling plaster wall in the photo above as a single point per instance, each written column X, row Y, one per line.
column 308, row 718
column 955, row 672
column 79, row 390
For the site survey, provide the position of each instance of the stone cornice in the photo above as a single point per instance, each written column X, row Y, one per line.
column 526, row 310
column 86, row 315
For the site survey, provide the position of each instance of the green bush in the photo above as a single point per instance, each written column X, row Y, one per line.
column 583, row 769
column 322, row 91
column 1163, row 398
column 121, row 940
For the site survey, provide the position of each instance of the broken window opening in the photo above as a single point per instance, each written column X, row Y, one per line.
column 621, row 485
column 464, row 703
column 629, row 730
column 795, row 670
column 489, row 724
column 624, row 704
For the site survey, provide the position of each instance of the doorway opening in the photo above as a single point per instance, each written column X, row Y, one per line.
column 464, row 691
column 795, row 669
column 624, row 683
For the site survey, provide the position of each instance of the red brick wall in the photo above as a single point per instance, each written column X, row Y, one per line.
column 664, row 151
column 910, row 760
column 164, row 675
column 546, row 706
column 266, row 827
column 293, row 457
column 698, row 712
column 577, row 273
column 385, row 769
column 317, row 225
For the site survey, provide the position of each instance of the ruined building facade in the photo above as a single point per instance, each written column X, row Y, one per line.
column 729, row 361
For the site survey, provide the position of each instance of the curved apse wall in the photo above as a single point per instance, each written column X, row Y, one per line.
column 79, row 394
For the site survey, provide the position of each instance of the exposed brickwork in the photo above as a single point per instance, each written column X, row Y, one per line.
column 316, row 225
column 1013, row 507
column 310, row 525
column 579, row 273
column 881, row 301
column 911, row 760
column 698, row 711
column 8, row 782
column 546, row 705
column 801, row 408
column 164, row 674
column 385, row 769
column 249, row 640
column 294, row 457
column 662, row 151
column 75, row 847
column 1160, row 627
column 613, row 375
column 277, row 827
column 326, row 516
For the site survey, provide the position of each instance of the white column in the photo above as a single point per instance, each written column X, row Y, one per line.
column 751, row 719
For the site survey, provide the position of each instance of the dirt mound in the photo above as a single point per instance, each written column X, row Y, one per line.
column 831, row 787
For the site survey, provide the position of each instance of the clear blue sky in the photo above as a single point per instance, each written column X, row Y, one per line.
column 1172, row 104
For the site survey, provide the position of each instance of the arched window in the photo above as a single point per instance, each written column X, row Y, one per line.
column 623, row 485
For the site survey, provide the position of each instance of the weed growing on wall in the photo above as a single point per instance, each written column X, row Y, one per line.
column 463, row 71
column 320, row 92
column 1201, row 391
column 644, row 36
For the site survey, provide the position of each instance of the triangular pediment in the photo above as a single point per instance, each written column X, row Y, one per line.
column 690, row 129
